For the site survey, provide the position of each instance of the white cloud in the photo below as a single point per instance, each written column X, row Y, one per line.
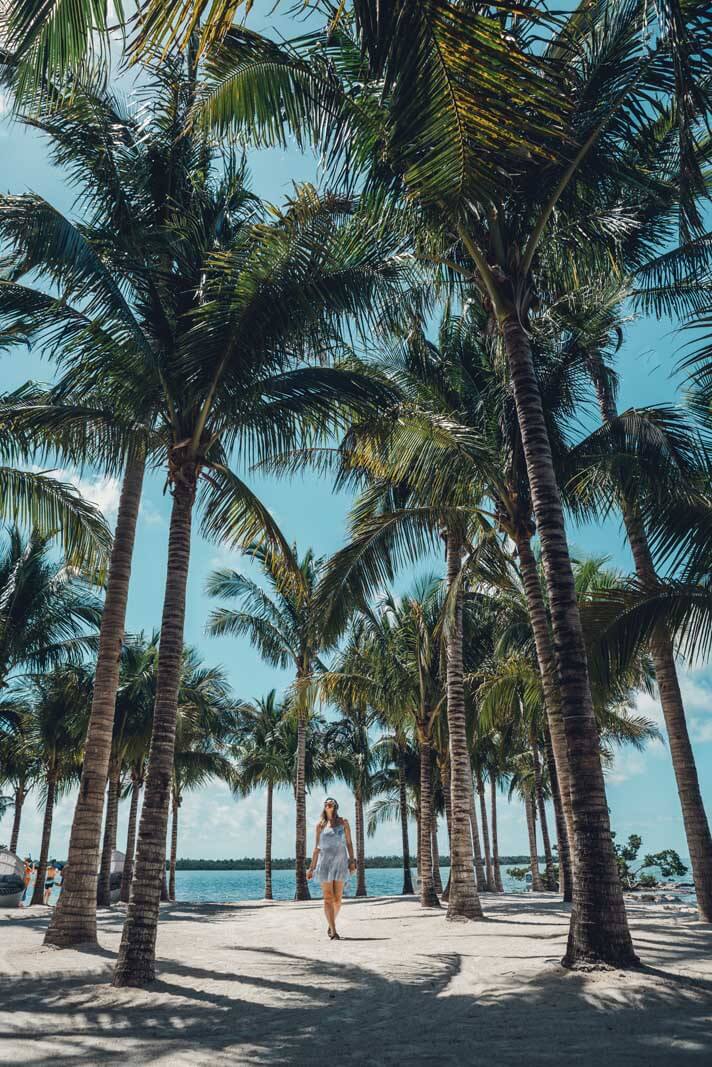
column 102, row 490
column 150, row 515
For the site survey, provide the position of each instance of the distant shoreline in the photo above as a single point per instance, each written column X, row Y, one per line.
column 256, row 864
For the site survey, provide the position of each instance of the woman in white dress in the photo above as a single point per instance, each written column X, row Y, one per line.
column 332, row 860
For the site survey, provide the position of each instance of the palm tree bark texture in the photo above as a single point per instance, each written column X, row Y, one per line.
column 268, row 843
column 17, row 816
column 697, row 830
column 598, row 932
column 530, row 811
column 499, row 888
column 403, row 807
column 360, row 848
column 302, row 886
column 428, row 896
column 463, row 902
column 547, row 669
column 136, row 961
column 174, row 849
column 550, row 879
column 103, row 892
column 477, row 848
column 73, row 921
column 489, row 877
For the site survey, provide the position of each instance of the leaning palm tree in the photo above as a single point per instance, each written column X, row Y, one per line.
column 285, row 627
column 262, row 758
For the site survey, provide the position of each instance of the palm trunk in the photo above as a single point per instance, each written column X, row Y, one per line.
column 19, row 801
column 127, row 873
column 485, row 835
column 428, row 896
column 73, row 921
column 302, row 888
column 403, row 805
column 268, row 843
column 562, row 837
column 38, row 892
column 435, row 849
column 174, row 849
column 530, row 810
column 499, row 888
column 164, row 883
column 417, row 854
column 360, row 847
column 599, row 928
column 477, row 848
column 464, row 901
column 549, row 877
column 557, row 733
column 697, row 831
column 103, row 889
column 137, row 954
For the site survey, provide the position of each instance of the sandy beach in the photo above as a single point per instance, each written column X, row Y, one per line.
column 257, row 983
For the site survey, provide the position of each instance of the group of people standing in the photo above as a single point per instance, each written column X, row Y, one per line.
column 54, row 876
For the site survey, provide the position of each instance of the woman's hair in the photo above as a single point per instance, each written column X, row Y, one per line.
column 324, row 817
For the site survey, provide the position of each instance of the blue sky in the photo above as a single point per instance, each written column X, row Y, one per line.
column 641, row 788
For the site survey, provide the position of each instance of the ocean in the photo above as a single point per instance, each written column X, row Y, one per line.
column 220, row 887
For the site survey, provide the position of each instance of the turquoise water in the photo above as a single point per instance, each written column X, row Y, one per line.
column 220, row 886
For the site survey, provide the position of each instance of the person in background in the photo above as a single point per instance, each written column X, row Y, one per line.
column 49, row 883
column 29, row 870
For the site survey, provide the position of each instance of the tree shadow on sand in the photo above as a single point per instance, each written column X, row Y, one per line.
column 285, row 1009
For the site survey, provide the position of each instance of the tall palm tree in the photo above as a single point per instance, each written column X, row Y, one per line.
column 262, row 758
column 57, row 711
column 577, row 118
column 205, row 714
column 285, row 627
column 397, row 775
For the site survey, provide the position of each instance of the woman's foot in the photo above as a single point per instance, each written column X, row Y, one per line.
column 335, row 936
column 330, row 932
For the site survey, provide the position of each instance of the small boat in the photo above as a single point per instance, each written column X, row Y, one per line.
column 12, row 879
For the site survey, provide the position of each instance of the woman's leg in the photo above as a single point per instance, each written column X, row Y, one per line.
column 338, row 890
column 326, row 888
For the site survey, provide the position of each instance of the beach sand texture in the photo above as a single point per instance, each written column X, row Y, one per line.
column 257, row 983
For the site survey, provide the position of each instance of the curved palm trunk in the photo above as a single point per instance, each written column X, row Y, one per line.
column 499, row 888
column 136, row 961
column 268, row 843
column 127, row 873
column 73, row 921
column 360, row 847
column 435, row 850
column 403, row 807
column 17, row 816
column 428, row 896
column 562, row 837
column 477, row 848
column 599, row 928
column 103, row 889
column 549, row 876
column 174, row 849
column 557, row 732
column 530, row 810
column 489, row 874
column 697, row 831
column 302, row 888
column 464, row 901
column 38, row 891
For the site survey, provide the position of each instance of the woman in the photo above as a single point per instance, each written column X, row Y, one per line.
column 332, row 860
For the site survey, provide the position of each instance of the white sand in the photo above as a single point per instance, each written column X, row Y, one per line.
column 255, row 983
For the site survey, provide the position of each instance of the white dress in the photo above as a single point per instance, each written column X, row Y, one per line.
column 333, row 862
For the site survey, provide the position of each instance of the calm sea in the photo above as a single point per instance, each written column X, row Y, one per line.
column 221, row 886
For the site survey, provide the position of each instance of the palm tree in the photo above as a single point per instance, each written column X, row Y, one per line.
column 262, row 758
column 203, row 726
column 286, row 629
column 19, row 766
column 576, row 120
column 57, row 710
column 398, row 774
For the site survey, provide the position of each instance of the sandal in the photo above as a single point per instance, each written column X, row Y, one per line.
column 331, row 933
column 335, row 936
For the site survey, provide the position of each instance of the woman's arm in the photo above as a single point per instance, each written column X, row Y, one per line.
column 349, row 843
column 315, row 853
